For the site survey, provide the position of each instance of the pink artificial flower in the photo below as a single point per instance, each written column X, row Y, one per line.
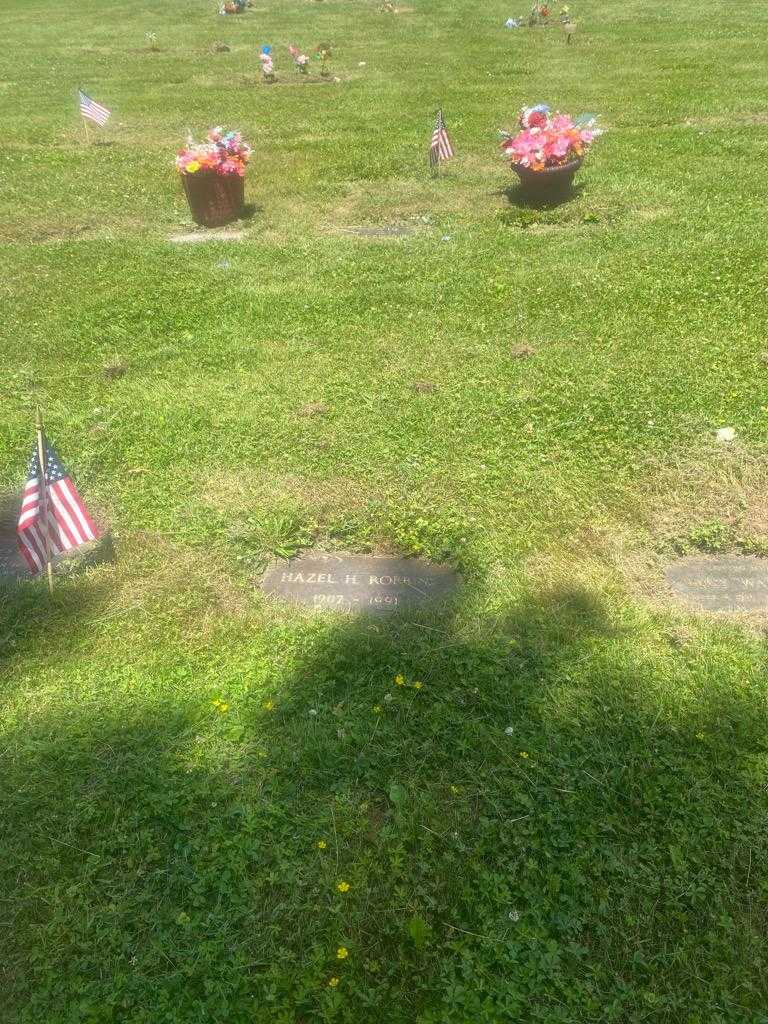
column 560, row 145
column 548, row 140
column 231, row 167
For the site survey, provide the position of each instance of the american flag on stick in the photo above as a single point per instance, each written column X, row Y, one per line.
column 92, row 110
column 440, row 147
column 53, row 517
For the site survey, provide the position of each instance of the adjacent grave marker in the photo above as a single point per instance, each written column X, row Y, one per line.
column 358, row 583
column 383, row 231
column 725, row 583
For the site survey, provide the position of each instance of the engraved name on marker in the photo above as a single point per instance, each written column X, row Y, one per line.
column 364, row 583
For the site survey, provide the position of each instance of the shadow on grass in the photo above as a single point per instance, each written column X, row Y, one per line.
column 557, row 825
column 250, row 210
column 29, row 615
column 32, row 619
column 519, row 197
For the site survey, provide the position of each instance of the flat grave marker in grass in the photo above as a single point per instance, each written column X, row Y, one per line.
column 382, row 231
column 210, row 235
column 723, row 583
column 358, row 583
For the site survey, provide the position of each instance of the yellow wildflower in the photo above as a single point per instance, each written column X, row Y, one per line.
column 268, row 705
column 333, row 982
column 343, row 887
column 342, row 953
column 192, row 166
column 524, row 753
column 377, row 709
column 223, row 708
column 216, row 702
column 321, row 844
column 417, row 686
column 399, row 681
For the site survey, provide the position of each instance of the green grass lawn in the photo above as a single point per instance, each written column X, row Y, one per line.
column 166, row 862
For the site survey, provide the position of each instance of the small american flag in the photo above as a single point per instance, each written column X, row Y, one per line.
column 66, row 525
column 440, row 147
column 92, row 110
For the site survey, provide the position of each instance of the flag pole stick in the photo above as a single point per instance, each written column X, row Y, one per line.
column 87, row 137
column 44, row 496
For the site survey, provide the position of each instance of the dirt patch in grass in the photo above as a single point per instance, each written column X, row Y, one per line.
column 154, row 570
column 707, row 504
column 724, row 483
column 382, row 204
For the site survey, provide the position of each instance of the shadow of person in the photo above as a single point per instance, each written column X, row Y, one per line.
column 460, row 814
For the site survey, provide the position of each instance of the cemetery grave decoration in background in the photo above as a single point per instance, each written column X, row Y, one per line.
column 90, row 110
column 301, row 60
column 213, row 175
column 539, row 16
column 548, row 150
column 267, row 65
column 234, row 6
column 323, row 54
column 569, row 25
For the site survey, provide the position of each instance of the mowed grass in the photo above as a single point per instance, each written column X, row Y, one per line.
column 565, row 823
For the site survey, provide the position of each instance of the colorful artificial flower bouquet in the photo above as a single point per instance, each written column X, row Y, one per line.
column 549, row 139
column 267, row 64
column 323, row 54
column 301, row 60
column 539, row 15
column 224, row 153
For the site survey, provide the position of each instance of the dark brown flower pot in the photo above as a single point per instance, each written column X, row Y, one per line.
column 549, row 185
column 214, row 199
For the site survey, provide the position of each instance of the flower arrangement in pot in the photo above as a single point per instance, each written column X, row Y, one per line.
column 213, row 174
column 548, row 150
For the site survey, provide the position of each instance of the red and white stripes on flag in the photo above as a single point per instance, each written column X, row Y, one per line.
column 440, row 147
column 53, row 517
column 92, row 110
